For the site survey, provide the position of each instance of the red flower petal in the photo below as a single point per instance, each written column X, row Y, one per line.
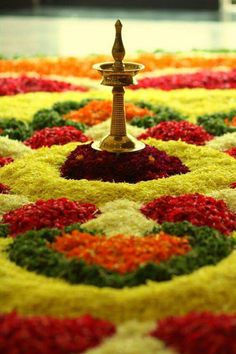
column 206, row 79
column 12, row 86
column 47, row 335
column 55, row 136
column 198, row 209
column 172, row 130
column 198, row 333
column 5, row 161
column 231, row 152
column 50, row 213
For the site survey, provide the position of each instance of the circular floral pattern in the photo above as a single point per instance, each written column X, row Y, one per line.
column 149, row 163
column 195, row 208
column 119, row 261
column 45, row 295
column 50, row 213
column 55, row 136
column 172, row 130
column 210, row 170
column 38, row 176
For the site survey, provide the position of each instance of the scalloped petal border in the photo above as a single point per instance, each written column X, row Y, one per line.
column 33, row 294
column 37, row 176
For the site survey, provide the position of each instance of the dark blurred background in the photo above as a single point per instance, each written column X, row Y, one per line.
column 159, row 4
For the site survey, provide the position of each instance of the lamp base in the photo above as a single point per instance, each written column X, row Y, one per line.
column 118, row 144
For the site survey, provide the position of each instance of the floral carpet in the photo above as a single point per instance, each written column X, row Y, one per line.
column 105, row 253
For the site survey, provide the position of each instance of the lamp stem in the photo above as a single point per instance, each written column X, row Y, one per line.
column 118, row 123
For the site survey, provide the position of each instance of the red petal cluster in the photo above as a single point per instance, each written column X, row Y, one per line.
column 173, row 130
column 48, row 213
column 231, row 152
column 197, row 333
column 47, row 335
column 12, row 86
column 149, row 163
column 198, row 209
column 55, row 136
column 233, row 185
column 5, row 161
column 4, row 189
column 206, row 79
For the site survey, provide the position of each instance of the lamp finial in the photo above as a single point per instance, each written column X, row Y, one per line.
column 118, row 50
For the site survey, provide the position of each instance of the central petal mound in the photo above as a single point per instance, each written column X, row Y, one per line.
column 147, row 164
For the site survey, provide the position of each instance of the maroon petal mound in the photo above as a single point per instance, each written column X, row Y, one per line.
column 173, row 130
column 49, row 213
column 47, row 335
column 196, row 333
column 198, row 209
column 55, row 136
column 147, row 164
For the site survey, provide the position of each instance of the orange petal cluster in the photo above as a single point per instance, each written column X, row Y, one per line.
column 97, row 111
column 69, row 66
column 80, row 67
column 121, row 253
column 154, row 62
column 230, row 123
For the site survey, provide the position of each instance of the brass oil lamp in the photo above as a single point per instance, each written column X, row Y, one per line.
column 118, row 75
